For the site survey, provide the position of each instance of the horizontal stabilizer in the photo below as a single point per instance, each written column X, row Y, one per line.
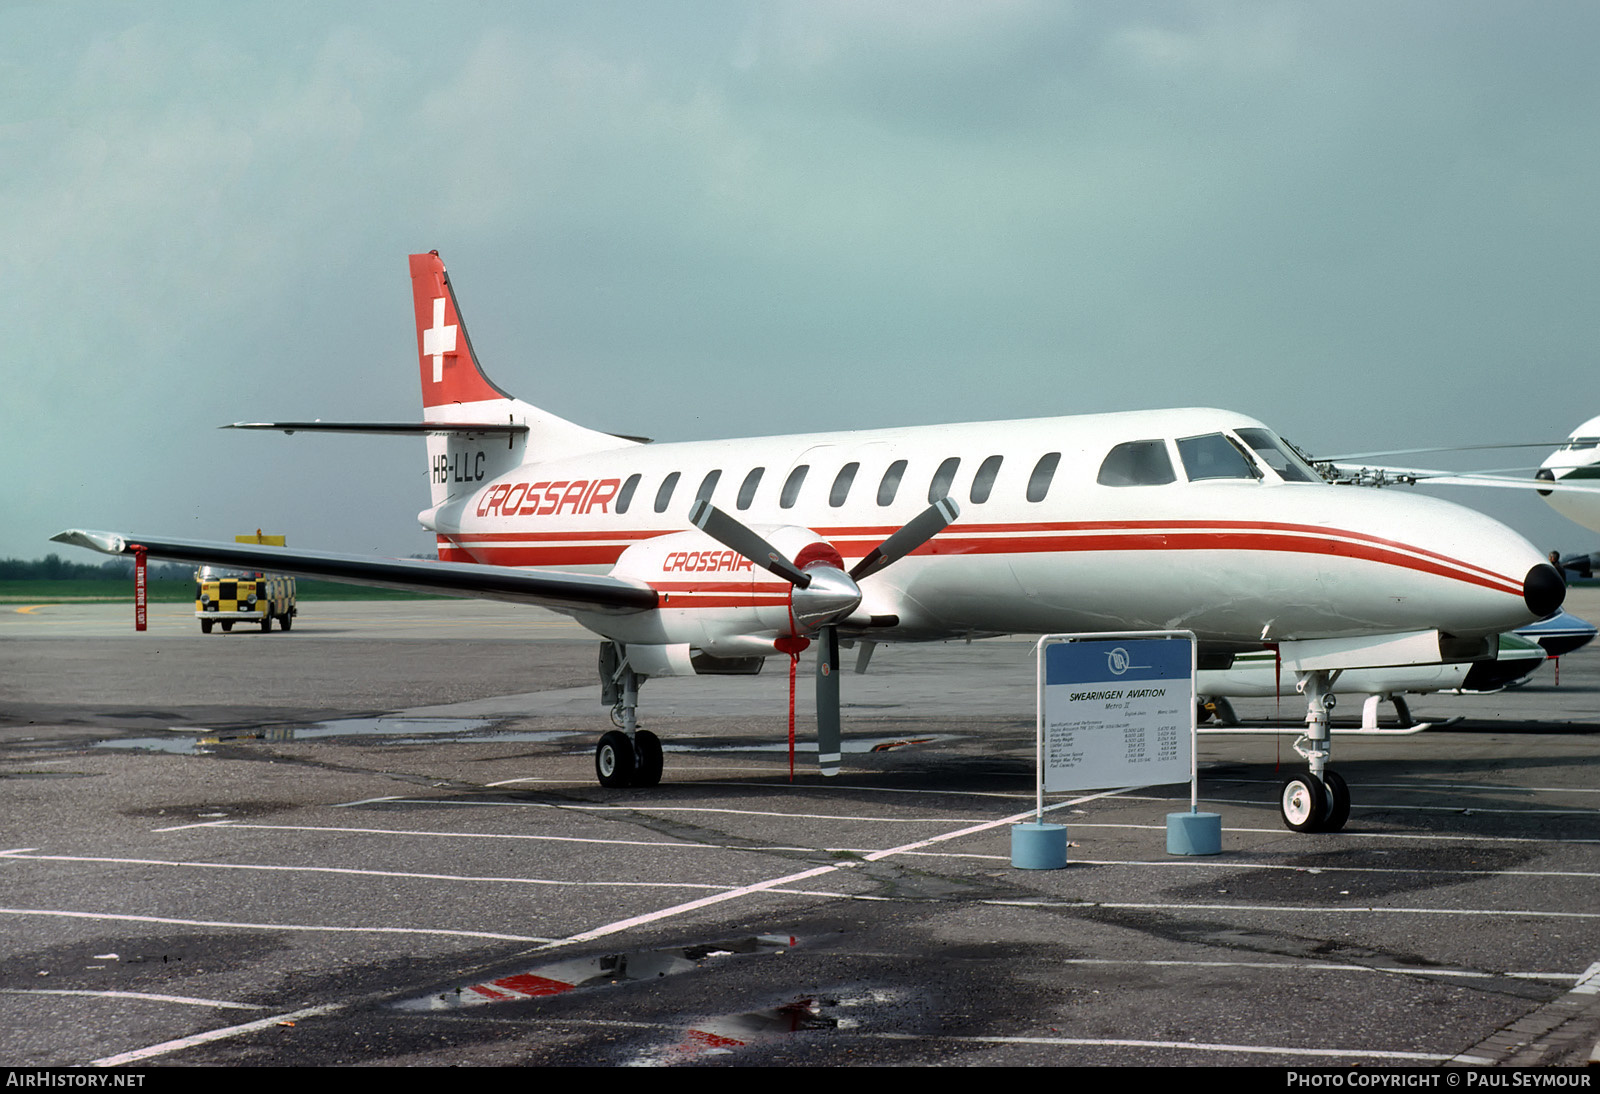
column 397, row 429
column 560, row 591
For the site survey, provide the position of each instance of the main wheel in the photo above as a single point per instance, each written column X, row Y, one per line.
column 1304, row 803
column 613, row 760
column 647, row 749
column 1338, row 802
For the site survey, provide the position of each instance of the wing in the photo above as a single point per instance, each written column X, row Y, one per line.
column 565, row 592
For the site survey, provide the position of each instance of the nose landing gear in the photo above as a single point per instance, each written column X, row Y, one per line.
column 1318, row 801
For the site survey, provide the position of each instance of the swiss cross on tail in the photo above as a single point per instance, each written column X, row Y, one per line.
column 439, row 340
column 450, row 370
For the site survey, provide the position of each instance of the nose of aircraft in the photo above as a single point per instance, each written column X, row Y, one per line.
column 1543, row 589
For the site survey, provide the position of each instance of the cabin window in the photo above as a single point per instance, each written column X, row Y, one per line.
column 1043, row 472
column 664, row 495
column 1278, row 455
column 747, row 489
column 707, row 485
column 1215, row 456
column 939, row 488
column 841, row 484
column 1137, row 463
column 791, row 486
column 625, row 498
column 983, row 481
column 890, row 485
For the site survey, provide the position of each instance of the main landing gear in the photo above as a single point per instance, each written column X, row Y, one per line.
column 625, row 756
column 1318, row 801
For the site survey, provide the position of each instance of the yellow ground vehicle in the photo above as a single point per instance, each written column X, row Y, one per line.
column 237, row 596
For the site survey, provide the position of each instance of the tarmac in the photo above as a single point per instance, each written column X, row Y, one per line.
column 377, row 839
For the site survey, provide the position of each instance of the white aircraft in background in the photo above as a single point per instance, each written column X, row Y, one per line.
column 1569, row 478
column 710, row 556
column 1575, row 464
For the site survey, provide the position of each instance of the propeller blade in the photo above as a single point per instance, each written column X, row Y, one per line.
column 828, row 700
column 923, row 527
column 730, row 533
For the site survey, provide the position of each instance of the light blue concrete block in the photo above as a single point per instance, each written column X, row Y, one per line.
column 1036, row 846
column 1194, row 833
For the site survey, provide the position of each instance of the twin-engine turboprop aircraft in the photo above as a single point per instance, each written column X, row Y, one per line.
column 710, row 556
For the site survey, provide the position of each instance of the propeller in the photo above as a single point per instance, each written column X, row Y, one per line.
column 823, row 595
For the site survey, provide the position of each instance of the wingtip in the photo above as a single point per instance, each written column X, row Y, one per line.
column 109, row 543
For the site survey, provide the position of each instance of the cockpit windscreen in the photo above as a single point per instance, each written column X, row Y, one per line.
column 1278, row 456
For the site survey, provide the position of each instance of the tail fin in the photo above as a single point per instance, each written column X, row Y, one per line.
column 455, row 390
column 451, row 375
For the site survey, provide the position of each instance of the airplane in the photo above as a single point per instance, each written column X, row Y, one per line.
column 1568, row 479
column 1576, row 463
column 708, row 557
column 1257, row 676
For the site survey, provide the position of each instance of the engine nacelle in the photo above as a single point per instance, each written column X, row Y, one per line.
column 714, row 601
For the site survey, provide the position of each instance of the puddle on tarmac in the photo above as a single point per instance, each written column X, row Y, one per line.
column 725, row 1034
column 182, row 746
column 588, row 972
column 460, row 729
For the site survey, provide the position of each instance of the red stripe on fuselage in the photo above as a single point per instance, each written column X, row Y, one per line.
column 558, row 549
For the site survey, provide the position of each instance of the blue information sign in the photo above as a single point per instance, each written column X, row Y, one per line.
column 1116, row 711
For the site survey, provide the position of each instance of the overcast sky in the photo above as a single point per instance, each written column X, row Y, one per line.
column 1373, row 225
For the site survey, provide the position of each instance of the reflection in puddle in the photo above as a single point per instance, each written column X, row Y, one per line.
column 182, row 746
column 585, row 972
column 721, row 1036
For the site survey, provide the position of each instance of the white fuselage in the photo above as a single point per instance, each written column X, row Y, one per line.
column 1245, row 559
column 1577, row 463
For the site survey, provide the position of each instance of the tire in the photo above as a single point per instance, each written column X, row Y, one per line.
column 266, row 624
column 1303, row 803
column 648, row 761
column 286, row 620
column 227, row 625
column 205, row 626
column 1338, row 802
column 613, row 760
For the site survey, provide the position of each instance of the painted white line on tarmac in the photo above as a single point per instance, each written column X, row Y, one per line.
column 773, row 884
column 61, row 913
column 1019, row 795
column 1395, row 807
column 1191, row 1046
column 1291, row 909
column 1437, row 787
column 146, row 996
column 1326, row 966
column 214, row 1035
column 1229, row 864
column 703, row 902
column 643, row 808
column 270, row 867
column 433, row 834
column 1349, row 834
